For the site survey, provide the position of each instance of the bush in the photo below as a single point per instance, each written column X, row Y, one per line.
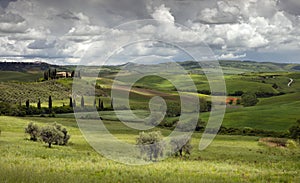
column 51, row 135
column 150, row 144
column 33, row 130
column 295, row 131
column 181, row 145
column 66, row 137
column 291, row 144
column 249, row 99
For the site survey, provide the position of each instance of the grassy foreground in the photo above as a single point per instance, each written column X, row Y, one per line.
column 227, row 159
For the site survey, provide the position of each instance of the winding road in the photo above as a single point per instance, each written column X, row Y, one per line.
column 290, row 83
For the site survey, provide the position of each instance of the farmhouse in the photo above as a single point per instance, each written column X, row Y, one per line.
column 63, row 74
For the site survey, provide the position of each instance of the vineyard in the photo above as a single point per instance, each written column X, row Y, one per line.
column 13, row 92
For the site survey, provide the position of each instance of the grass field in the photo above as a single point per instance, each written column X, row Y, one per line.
column 277, row 113
column 19, row 76
column 228, row 159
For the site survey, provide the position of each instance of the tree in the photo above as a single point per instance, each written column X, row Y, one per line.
column 295, row 130
column 275, row 86
column 249, row 99
column 200, row 125
column 50, row 103
column 181, row 145
column 66, row 136
column 82, row 102
column 39, row 104
column 238, row 101
column 33, row 130
column 71, row 102
column 27, row 104
column 74, row 103
column 46, row 75
column 101, row 106
column 50, row 135
column 151, row 144
column 112, row 103
column 72, row 74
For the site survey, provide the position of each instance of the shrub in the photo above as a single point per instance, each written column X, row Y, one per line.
column 295, row 131
column 291, row 144
column 66, row 137
column 33, row 130
column 181, row 145
column 150, row 144
column 51, row 135
column 249, row 99
column 54, row 134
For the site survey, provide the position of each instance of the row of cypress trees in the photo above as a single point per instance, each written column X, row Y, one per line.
column 72, row 103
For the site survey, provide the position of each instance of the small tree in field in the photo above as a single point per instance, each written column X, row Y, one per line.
column 181, row 145
column 50, row 135
column 50, row 103
column 27, row 104
column 295, row 131
column 66, row 136
column 249, row 99
column 82, row 102
column 33, row 130
column 39, row 104
column 71, row 102
column 150, row 144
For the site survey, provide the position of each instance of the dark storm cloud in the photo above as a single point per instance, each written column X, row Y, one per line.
column 290, row 6
column 4, row 3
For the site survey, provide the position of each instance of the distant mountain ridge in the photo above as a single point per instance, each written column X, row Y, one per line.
column 237, row 66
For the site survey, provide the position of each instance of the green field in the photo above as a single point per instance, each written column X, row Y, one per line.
column 227, row 159
column 230, row 158
column 19, row 76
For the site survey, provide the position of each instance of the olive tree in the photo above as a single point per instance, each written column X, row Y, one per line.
column 181, row 145
column 50, row 135
column 33, row 130
column 151, row 144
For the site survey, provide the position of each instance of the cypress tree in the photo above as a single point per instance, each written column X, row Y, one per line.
column 39, row 104
column 50, row 103
column 27, row 104
column 82, row 102
column 71, row 103
column 111, row 103
column 99, row 104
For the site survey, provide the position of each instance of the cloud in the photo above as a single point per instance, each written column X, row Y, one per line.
column 41, row 44
column 64, row 30
column 231, row 56
column 12, row 23
column 163, row 13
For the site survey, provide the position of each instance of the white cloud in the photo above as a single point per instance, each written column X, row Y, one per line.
column 163, row 13
column 64, row 30
column 231, row 56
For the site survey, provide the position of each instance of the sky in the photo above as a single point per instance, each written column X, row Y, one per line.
column 150, row 31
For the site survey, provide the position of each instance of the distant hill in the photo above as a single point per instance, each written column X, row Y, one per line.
column 235, row 66
column 25, row 66
column 228, row 66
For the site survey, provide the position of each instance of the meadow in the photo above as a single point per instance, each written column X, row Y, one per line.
column 227, row 159
column 230, row 158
